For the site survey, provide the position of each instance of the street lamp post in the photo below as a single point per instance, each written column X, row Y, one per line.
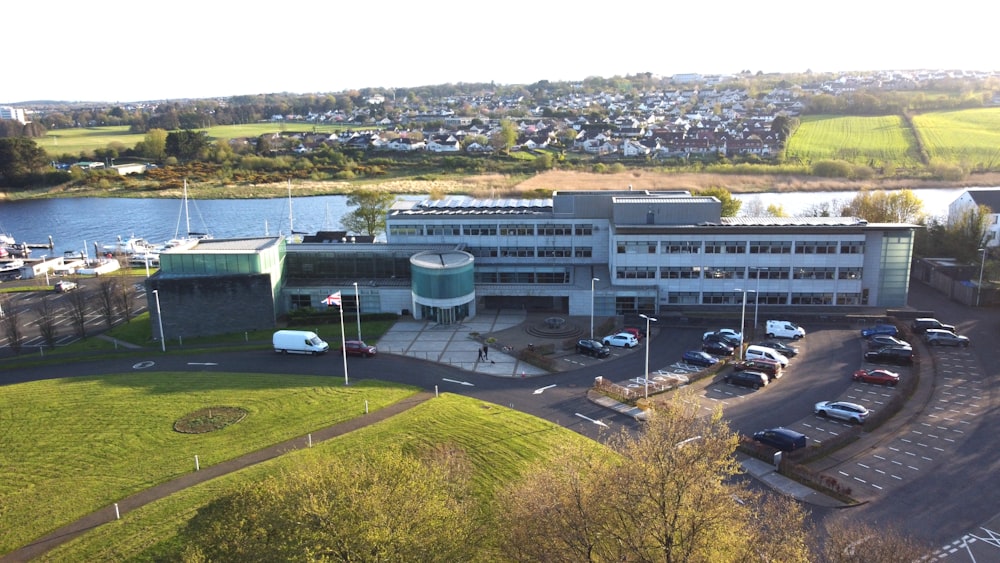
column 357, row 299
column 982, row 266
column 743, row 317
column 592, row 280
column 756, row 300
column 646, row 374
column 159, row 319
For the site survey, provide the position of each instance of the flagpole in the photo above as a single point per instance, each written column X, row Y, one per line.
column 343, row 343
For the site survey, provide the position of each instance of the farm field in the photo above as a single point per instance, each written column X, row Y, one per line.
column 870, row 141
column 968, row 137
column 499, row 443
column 72, row 446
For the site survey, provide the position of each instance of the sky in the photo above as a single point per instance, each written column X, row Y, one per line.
column 127, row 51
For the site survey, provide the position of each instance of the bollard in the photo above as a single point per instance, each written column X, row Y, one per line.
column 118, row 515
column 310, row 440
column 197, row 466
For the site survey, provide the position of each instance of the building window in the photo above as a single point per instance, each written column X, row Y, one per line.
column 812, row 299
column 681, row 247
column 554, row 252
column 450, row 230
column 555, row 230
column 481, row 230
column 517, row 252
column 849, row 273
column 483, row 251
column 849, row 299
column 406, row 230
column 765, row 298
column 680, row 273
column 721, row 298
column 769, row 273
column 583, row 252
column 852, row 247
column 636, row 247
column 725, row 273
column 300, row 301
column 583, row 230
column 517, row 230
column 683, row 298
column 816, row 247
column 770, row 247
column 813, row 273
column 725, row 247
column 634, row 273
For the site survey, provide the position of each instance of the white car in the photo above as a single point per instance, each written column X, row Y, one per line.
column 843, row 410
column 621, row 340
column 730, row 332
column 941, row 337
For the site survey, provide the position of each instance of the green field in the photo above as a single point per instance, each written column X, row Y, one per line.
column 967, row 137
column 870, row 141
column 74, row 141
column 71, row 446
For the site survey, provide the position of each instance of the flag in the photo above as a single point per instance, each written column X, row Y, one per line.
column 333, row 300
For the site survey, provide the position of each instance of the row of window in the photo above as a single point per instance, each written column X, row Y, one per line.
column 492, row 229
column 738, row 273
column 730, row 298
column 540, row 277
column 740, row 247
column 531, row 252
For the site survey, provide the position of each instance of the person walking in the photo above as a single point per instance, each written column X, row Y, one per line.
column 486, row 352
column 480, row 358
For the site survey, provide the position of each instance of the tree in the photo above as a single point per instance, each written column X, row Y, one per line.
column 12, row 327
column 901, row 206
column 187, row 144
column 78, row 312
column 153, row 145
column 379, row 506
column 505, row 137
column 107, row 302
column 663, row 494
column 369, row 217
column 20, row 156
column 967, row 233
column 730, row 205
column 47, row 321
column 776, row 210
column 850, row 541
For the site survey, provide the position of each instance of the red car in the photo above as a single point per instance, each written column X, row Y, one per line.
column 359, row 348
column 878, row 376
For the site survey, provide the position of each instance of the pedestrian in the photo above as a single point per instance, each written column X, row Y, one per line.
column 480, row 358
column 486, row 352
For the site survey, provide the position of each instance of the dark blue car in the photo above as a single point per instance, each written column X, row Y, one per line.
column 891, row 330
column 699, row 358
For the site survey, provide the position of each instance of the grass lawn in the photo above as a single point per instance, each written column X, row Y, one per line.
column 872, row 141
column 968, row 137
column 499, row 443
column 71, row 446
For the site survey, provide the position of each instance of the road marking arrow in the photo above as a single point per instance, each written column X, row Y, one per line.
column 542, row 390
column 597, row 422
column 459, row 382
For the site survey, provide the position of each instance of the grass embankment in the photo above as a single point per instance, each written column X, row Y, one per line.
column 871, row 141
column 72, row 446
column 498, row 442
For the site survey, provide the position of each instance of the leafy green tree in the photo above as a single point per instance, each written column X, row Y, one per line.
column 154, row 145
column 20, row 156
column 902, row 206
column 372, row 208
column 187, row 144
column 376, row 507
column 505, row 137
column 730, row 205
column 776, row 210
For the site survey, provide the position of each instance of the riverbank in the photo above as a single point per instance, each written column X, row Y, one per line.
column 501, row 186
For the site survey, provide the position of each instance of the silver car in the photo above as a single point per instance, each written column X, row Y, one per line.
column 941, row 337
column 622, row 340
column 842, row 410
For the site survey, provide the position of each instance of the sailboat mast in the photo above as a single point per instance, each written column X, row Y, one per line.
column 187, row 216
column 291, row 226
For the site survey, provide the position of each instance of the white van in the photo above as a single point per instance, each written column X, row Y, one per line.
column 299, row 342
column 784, row 329
column 755, row 352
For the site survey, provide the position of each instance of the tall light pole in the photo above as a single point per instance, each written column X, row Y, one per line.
column 756, row 299
column 743, row 317
column 982, row 266
column 357, row 299
column 592, row 280
column 159, row 319
column 646, row 374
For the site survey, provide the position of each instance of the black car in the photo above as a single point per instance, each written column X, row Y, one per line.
column 884, row 341
column 891, row 355
column 789, row 351
column 593, row 348
column 746, row 378
column 781, row 438
column 922, row 324
column 727, row 339
column 717, row 348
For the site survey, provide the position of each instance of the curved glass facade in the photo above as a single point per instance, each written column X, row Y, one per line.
column 443, row 285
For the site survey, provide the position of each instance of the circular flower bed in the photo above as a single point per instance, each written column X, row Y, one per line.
column 209, row 419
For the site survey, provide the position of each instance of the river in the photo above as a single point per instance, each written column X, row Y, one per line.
column 76, row 224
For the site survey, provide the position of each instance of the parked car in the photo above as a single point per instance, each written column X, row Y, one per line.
column 359, row 348
column 784, row 329
column 890, row 355
column 770, row 368
column 593, row 348
column 891, row 330
column 725, row 338
column 638, row 334
column 922, row 324
column 621, row 340
column 717, row 348
column 883, row 340
column 877, row 376
column 62, row 286
column 851, row 412
column 941, row 337
column 781, row 438
column 730, row 332
column 763, row 352
column 785, row 349
column 699, row 358
column 746, row 378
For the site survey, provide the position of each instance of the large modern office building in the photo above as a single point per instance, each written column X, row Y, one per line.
column 618, row 252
